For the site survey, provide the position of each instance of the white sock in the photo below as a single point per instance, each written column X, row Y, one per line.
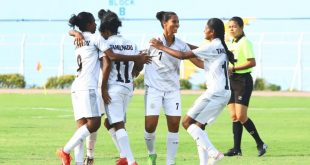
column 123, row 141
column 113, row 136
column 79, row 153
column 172, row 147
column 90, row 144
column 150, row 142
column 203, row 155
column 78, row 137
column 202, row 139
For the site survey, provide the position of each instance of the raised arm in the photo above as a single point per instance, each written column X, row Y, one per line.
column 177, row 54
column 78, row 37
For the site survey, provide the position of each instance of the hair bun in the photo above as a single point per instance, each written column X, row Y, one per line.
column 101, row 13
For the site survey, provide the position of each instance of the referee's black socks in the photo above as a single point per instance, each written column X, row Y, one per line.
column 237, row 131
column 250, row 127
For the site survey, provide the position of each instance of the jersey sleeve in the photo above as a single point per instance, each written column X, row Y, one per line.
column 186, row 48
column 203, row 51
column 101, row 44
column 101, row 54
column 248, row 50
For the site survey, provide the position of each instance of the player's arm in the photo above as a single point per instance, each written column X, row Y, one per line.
column 106, row 63
column 137, row 68
column 140, row 58
column 177, row 54
column 197, row 62
column 78, row 37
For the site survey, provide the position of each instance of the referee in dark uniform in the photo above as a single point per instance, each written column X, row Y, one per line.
column 242, row 86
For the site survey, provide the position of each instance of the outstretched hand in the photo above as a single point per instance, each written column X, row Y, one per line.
column 157, row 43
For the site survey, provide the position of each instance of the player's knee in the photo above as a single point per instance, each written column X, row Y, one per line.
column 174, row 126
column 93, row 124
column 150, row 128
column 119, row 125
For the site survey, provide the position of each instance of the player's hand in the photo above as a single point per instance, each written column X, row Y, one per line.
column 105, row 96
column 144, row 58
column 78, row 39
column 157, row 43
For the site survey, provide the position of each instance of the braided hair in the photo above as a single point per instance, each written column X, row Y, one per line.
column 219, row 31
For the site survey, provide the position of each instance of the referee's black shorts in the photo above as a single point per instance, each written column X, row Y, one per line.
column 241, row 88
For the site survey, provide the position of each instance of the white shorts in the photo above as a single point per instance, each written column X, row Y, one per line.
column 155, row 99
column 86, row 104
column 101, row 103
column 116, row 110
column 208, row 107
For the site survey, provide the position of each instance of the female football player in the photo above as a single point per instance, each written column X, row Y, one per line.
column 211, row 103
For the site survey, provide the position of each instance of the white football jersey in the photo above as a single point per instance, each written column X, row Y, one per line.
column 121, row 71
column 88, row 62
column 164, row 72
column 215, row 65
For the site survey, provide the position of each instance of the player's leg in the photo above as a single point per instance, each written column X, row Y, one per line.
column 123, row 141
column 205, row 110
column 90, row 148
column 153, row 103
column 84, row 105
column 92, row 138
column 172, row 138
column 79, row 149
column 111, row 131
column 116, row 111
column 172, row 106
column 75, row 140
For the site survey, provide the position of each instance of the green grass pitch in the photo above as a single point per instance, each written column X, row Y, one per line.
column 33, row 126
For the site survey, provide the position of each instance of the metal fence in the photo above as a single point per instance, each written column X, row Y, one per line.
column 283, row 58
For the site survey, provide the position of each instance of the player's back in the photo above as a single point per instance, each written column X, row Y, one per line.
column 88, row 62
column 121, row 71
column 215, row 65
